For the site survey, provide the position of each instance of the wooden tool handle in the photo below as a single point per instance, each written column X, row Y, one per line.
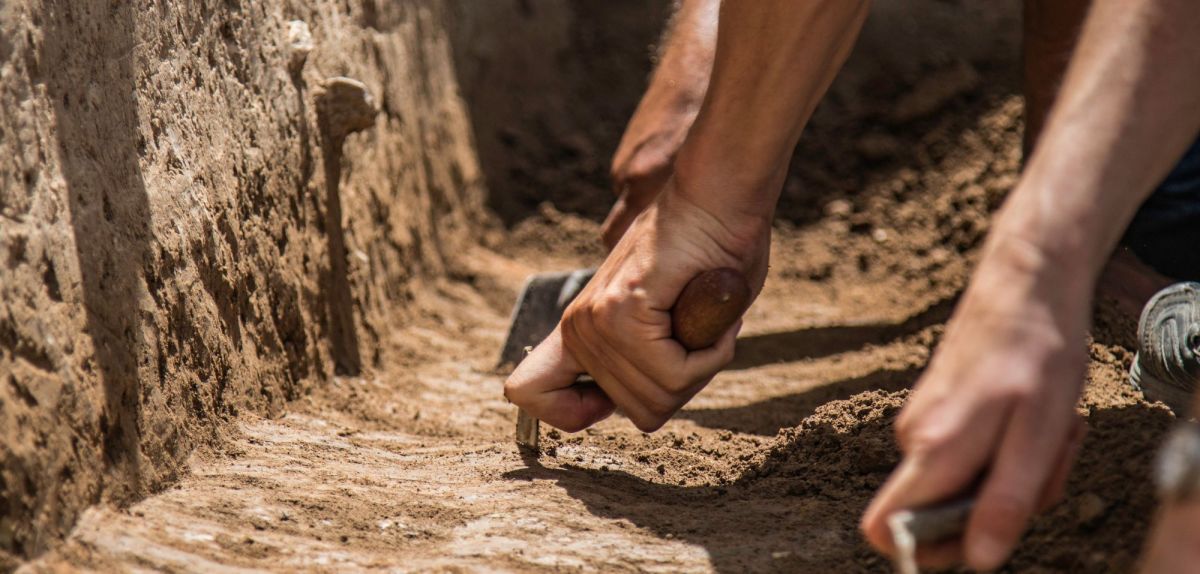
column 708, row 306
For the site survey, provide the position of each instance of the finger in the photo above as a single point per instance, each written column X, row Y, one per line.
column 544, row 385
column 642, row 401
column 617, row 223
column 704, row 364
column 940, row 554
column 947, row 453
column 1172, row 546
column 631, row 202
column 1056, row 487
column 1027, row 457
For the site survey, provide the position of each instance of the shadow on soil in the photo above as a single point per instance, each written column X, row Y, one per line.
column 801, row 344
column 796, row 509
column 763, row 521
column 767, row 418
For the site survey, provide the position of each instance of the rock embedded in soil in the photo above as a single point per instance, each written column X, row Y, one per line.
column 300, row 45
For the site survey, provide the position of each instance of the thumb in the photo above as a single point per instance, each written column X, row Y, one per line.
column 544, row 384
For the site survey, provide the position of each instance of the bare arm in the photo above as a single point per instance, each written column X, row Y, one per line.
column 999, row 395
column 643, row 161
column 1128, row 109
column 774, row 61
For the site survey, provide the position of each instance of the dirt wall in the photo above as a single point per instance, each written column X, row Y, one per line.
column 550, row 85
column 184, row 238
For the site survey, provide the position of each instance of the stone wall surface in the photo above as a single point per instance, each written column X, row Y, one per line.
column 196, row 221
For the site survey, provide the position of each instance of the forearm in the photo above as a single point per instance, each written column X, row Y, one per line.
column 1129, row 107
column 775, row 59
column 673, row 97
column 685, row 57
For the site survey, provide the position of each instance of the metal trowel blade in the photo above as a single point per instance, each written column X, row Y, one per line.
column 539, row 309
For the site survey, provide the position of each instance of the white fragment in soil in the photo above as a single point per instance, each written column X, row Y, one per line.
column 198, row 537
column 905, row 542
column 300, row 44
column 838, row 208
column 385, row 524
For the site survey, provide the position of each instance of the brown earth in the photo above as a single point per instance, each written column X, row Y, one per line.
column 414, row 467
column 411, row 465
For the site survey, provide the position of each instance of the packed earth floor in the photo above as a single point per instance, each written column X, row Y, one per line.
column 412, row 467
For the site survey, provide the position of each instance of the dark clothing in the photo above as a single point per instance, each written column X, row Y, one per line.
column 1165, row 233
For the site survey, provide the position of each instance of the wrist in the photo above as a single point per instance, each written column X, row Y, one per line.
column 737, row 230
column 1070, row 238
column 736, row 192
column 1019, row 276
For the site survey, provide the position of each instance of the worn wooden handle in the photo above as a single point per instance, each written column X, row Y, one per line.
column 708, row 306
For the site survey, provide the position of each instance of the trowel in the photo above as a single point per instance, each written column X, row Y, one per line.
column 539, row 309
column 706, row 308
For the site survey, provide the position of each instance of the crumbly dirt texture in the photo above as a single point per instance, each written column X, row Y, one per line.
column 346, row 414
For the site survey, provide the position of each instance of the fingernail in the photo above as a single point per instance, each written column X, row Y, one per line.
column 987, row 552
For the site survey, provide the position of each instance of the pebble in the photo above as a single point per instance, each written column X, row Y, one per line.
column 300, row 44
column 838, row 208
column 1089, row 507
column 346, row 106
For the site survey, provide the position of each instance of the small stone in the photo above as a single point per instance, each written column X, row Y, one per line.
column 838, row 208
column 935, row 90
column 877, row 146
column 939, row 255
column 880, row 235
column 345, row 106
column 300, row 44
column 1090, row 507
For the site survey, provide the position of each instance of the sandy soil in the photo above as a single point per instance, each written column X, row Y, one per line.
column 413, row 467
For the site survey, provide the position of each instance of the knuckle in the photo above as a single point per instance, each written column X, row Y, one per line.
column 572, row 426
column 1007, row 508
column 727, row 355
column 568, row 329
column 664, row 406
column 512, row 391
column 1015, row 393
column 925, row 442
column 650, row 423
column 604, row 314
column 676, row 385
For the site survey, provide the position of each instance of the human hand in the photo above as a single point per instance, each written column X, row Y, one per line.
column 643, row 162
column 995, row 407
column 618, row 329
